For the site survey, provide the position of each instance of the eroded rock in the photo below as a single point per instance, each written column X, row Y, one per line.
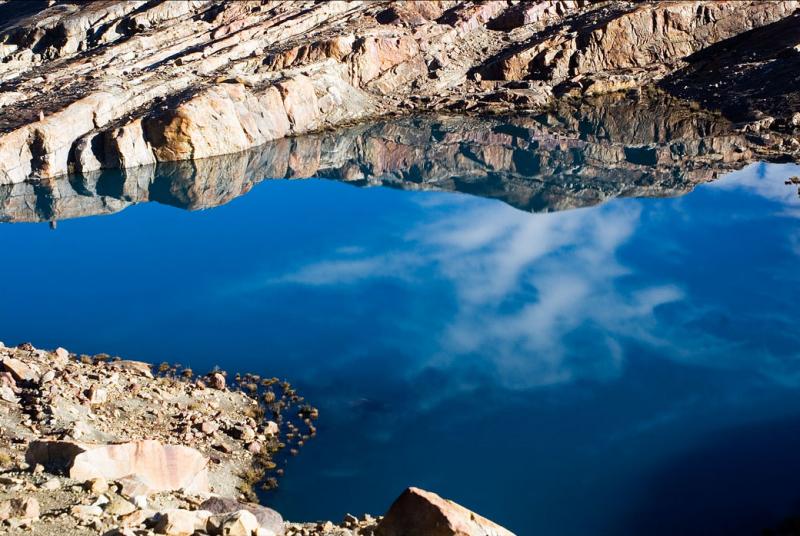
column 88, row 86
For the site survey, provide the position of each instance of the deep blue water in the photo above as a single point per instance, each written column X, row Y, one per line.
column 627, row 368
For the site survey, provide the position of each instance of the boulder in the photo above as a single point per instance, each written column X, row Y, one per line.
column 241, row 523
column 119, row 507
column 137, row 367
column 60, row 358
column 19, row 370
column 266, row 517
column 417, row 512
column 86, row 512
column 154, row 466
column 179, row 522
column 216, row 381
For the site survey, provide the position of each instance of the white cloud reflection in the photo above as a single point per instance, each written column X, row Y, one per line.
column 768, row 182
column 565, row 267
column 544, row 298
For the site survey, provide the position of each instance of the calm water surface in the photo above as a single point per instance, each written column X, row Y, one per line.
column 629, row 367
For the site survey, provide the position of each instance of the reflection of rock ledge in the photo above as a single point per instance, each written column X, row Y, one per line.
column 573, row 156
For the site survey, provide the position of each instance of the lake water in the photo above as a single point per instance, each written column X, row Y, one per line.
column 590, row 364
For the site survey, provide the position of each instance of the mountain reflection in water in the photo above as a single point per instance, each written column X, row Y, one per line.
column 577, row 156
column 630, row 367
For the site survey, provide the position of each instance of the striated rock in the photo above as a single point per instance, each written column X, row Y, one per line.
column 421, row 512
column 86, row 86
column 266, row 517
column 153, row 466
column 649, row 39
column 751, row 74
column 537, row 13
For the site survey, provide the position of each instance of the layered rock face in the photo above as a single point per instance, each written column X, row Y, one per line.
column 576, row 154
column 754, row 77
column 94, row 85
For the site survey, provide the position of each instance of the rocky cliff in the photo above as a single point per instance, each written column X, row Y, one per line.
column 94, row 85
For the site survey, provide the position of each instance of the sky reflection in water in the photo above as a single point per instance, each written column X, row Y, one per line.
column 617, row 369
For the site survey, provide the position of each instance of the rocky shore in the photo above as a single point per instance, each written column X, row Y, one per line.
column 198, row 100
column 93, row 85
column 98, row 445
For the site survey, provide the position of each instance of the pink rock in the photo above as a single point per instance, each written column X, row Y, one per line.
column 137, row 367
column 418, row 512
column 7, row 380
column 216, row 381
column 153, row 466
column 19, row 370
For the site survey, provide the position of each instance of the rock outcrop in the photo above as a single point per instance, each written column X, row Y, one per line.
column 146, row 466
column 94, row 85
column 418, row 512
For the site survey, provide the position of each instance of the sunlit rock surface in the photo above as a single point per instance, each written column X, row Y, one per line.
column 95, row 85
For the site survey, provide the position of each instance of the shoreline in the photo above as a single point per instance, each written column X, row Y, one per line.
column 99, row 445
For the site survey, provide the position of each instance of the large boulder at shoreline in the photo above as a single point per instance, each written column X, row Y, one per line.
column 145, row 466
column 417, row 512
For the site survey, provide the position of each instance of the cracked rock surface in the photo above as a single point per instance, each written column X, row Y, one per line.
column 93, row 85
